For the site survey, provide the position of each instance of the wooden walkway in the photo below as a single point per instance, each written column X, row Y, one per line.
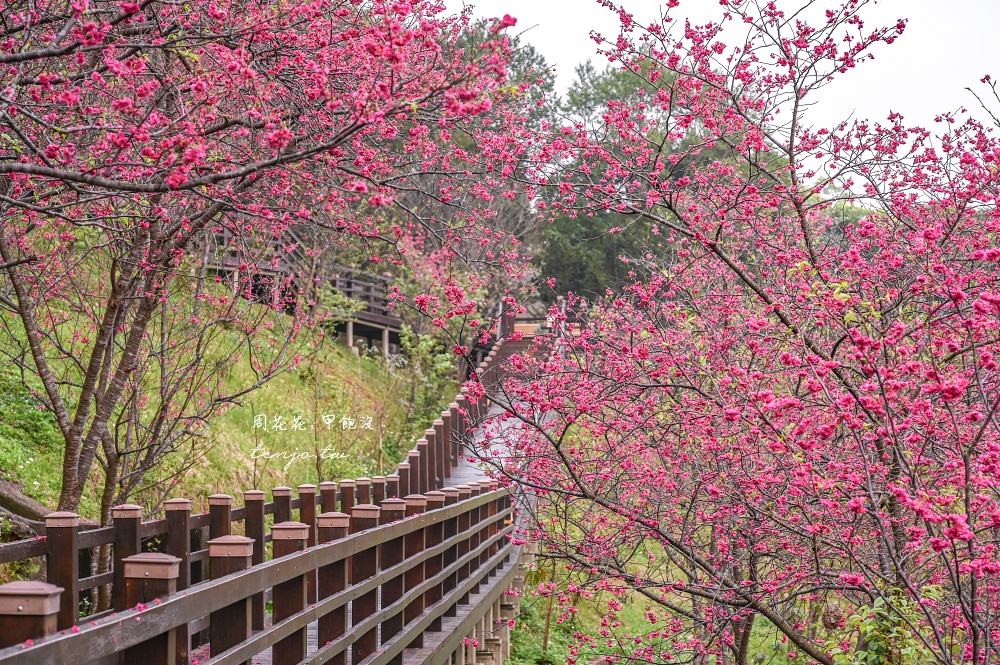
column 464, row 473
column 432, row 640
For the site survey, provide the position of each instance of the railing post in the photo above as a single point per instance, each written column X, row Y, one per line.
column 307, row 515
column 364, row 565
column 416, row 472
column 451, row 554
column 328, row 492
column 363, row 491
column 126, row 519
column 433, row 535
column 282, row 497
column 496, row 508
column 445, row 443
column 404, row 469
column 455, row 432
column 28, row 611
column 179, row 545
column 464, row 545
column 430, row 439
column 253, row 500
column 460, row 430
column 476, row 536
column 413, row 544
column 393, row 509
column 220, row 513
column 426, row 466
column 439, row 453
column 148, row 576
column 392, row 486
column 378, row 490
column 332, row 579
column 289, row 597
column 346, row 496
column 230, row 626
column 64, row 564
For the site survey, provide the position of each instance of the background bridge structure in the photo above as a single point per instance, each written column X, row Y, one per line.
column 414, row 568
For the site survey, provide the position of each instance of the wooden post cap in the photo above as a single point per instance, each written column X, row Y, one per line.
column 327, row 485
column 176, row 504
column 365, row 510
column 152, row 566
column 423, row 442
column 333, row 520
column 230, row 546
column 29, row 598
column 450, row 491
column 289, row 531
column 253, row 495
column 363, row 481
column 464, row 491
column 453, row 405
column 56, row 520
column 347, row 482
column 394, row 476
column 220, row 500
column 378, row 479
column 439, row 422
column 394, row 504
column 435, row 498
column 402, row 465
column 281, row 491
column 415, row 500
column 307, row 489
column 126, row 511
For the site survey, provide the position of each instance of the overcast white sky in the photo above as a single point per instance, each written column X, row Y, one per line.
column 948, row 45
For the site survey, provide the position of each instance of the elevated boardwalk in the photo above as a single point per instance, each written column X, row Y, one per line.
column 466, row 621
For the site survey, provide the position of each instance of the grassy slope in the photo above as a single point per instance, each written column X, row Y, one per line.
column 336, row 383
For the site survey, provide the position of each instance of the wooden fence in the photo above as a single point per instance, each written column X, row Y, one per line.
column 374, row 564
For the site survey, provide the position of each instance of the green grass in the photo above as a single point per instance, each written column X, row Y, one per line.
column 30, row 441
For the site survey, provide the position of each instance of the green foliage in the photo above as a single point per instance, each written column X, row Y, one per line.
column 887, row 637
column 528, row 637
column 585, row 258
column 431, row 369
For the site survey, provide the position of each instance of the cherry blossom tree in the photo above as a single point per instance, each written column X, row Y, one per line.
column 154, row 153
column 784, row 430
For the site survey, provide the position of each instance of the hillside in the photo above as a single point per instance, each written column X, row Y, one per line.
column 362, row 412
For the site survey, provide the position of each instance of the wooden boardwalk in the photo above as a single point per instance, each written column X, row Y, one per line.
column 432, row 640
column 464, row 473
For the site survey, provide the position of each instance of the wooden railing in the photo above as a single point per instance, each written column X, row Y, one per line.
column 372, row 294
column 403, row 552
column 422, row 568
